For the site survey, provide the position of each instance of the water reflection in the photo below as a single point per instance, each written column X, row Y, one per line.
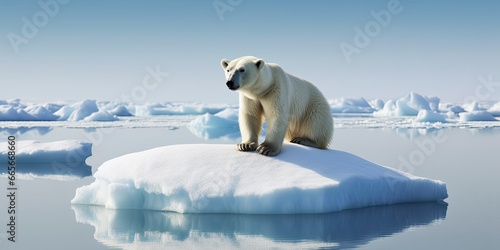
column 35, row 131
column 54, row 170
column 345, row 229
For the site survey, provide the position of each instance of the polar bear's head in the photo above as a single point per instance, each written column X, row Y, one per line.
column 242, row 73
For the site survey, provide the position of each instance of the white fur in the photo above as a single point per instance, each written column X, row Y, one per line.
column 293, row 108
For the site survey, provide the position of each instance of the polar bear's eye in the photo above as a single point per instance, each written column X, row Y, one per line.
column 241, row 70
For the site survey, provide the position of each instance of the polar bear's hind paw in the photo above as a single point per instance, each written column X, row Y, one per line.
column 305, row 142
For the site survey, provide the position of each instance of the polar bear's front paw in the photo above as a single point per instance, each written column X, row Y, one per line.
column 247, row 146
column 267, row 150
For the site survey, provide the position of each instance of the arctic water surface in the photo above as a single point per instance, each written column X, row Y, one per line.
column 466, row 159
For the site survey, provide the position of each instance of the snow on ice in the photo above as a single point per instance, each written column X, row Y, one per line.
column 219, row 179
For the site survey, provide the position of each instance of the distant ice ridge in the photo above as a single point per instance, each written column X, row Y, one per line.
column 430, row 108
column 219, row 179
column 92, row 110
column 57, row 159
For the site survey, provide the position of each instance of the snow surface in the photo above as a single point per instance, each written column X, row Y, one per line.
column 219, row 179
column 61, row 160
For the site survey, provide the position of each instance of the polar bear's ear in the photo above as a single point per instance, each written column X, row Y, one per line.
column 224, row 63
column 259, row 63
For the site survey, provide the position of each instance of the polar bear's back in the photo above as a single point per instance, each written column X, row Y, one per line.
column 310, row 115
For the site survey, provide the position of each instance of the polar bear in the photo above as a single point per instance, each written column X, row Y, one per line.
column 292, row 107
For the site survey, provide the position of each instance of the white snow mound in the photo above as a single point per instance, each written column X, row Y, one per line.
column 208, row 178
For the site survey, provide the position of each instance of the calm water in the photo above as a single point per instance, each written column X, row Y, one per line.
column 466, row 159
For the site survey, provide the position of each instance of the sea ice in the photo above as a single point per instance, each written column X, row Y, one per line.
column 120, row 110
column 211, row 178
column 350, row 105
column 495, row 109
column 83, row 109
column 47, row 152
column 101, row 116
column 59, row 160
column 480, row 115
column 429, row 116
column 409, row 105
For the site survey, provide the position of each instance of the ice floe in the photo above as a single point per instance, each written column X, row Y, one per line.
column 214, row 178
column 56, row 160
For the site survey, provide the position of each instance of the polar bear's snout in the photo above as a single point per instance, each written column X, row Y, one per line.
column 231, row 85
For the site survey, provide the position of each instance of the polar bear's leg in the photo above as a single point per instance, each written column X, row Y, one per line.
column 314, row 130
column 250, row 121
column 277, row 124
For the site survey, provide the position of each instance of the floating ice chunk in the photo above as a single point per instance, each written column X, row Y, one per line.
column 476, row 116
column 120, row 110
column 220, row 179
column 433, row 102
column 179, row 109
column 453, row 108
column 47, row 152
column 350, row 105
column 452, row 115
column 64, row 113
column 40, row 113
column 377, row 104
column 101, row 116
column 53, row 107
column 8, row 113
column 409, row 105
column 229, row 113
column 223, row 119
column 495, row 109
column 212, row 121
column 222, row 124
column 473, row 106
column 429, row 116
column 83, row 109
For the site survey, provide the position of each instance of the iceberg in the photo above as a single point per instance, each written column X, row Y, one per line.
column 83, row 109
column 429, row 116
column 495, row 109
column 409, row 105
column 216, row 178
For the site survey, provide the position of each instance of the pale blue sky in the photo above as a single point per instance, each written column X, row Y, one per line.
column 102, row 49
